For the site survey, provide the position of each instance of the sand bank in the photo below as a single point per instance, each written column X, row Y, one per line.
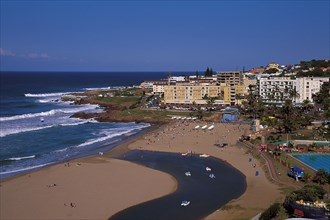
column 90, row 188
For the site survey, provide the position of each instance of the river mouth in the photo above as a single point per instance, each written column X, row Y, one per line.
column 206, row 194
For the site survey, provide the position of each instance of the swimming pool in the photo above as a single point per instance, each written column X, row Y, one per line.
column 315, row 161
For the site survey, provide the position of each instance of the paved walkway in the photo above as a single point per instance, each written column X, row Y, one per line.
column 270, row 166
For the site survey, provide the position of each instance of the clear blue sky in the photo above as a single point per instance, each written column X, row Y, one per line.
column 160, row 35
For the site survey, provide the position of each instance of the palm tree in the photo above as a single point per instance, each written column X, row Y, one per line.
column 307, row 105
column 210, row 101
column 294, row 94
column 321, row 177
column 200, row 113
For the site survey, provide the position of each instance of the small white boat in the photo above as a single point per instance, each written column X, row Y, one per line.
column 42, row 119
column 204, row 155
column 187, row 173
column 184, row 154
column 185, row 203
column 208, row 169
column 212, row 176
column 211, row 127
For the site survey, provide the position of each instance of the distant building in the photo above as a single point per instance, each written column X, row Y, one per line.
column 230, row 78
column 231, row 83
column 147, row 84
column 177, row 78
column 257, row 70
column 188, row 94
column 158, row 87
column 275, row 89
column 273, row 66
column 308, row 86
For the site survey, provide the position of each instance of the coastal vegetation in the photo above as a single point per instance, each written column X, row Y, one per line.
column 309, row 194
column 128, row 104
column 316, row 68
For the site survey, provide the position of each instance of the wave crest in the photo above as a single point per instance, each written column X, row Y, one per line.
column 45, row 94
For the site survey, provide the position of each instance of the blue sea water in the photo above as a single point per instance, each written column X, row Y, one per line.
column 315, row 161
column 35, row 125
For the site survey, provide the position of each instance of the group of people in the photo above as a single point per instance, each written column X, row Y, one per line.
column 72, row 205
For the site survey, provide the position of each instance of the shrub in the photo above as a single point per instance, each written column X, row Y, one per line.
column 271, row 212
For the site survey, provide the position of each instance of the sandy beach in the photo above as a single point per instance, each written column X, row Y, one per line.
column 99, row 186
column 91, row 188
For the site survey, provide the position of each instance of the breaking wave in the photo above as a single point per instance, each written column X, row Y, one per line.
column 50, row 113
column 45, row 94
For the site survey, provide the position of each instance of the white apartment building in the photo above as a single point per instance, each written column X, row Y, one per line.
column 177, row 78
column 274, row 89
column 307, row 86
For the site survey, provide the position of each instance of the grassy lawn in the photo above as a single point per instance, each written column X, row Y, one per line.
column 119, row 100
column 157, row 114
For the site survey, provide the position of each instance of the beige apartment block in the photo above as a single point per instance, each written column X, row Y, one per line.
column 188, row 94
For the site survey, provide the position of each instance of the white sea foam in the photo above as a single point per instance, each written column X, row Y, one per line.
column 74, row 124
column 111, row 134
column 30, row 115
column 25, row 169
column 21, row 158
column 101, row 88
column 50, row 113
column 45, row 94
column 5, row 132
column 48, row 100
column 105, row 88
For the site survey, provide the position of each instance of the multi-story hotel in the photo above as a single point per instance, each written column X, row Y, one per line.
column 230, row 78
column 232, row 83
column 158, row 87
column 277, row 89
column 308, row 86
column 189, row 94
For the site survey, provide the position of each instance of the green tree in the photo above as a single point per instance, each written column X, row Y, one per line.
column 271, row 212
column 197, row 75
column 271, row 70
column 322, row 98
column 200, row 113
column 210, row 100
column 306, row 177
column 208, row 72
column 321, row 177
column 294, row 94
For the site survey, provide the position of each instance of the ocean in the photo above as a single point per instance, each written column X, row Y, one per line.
column 35, row 125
